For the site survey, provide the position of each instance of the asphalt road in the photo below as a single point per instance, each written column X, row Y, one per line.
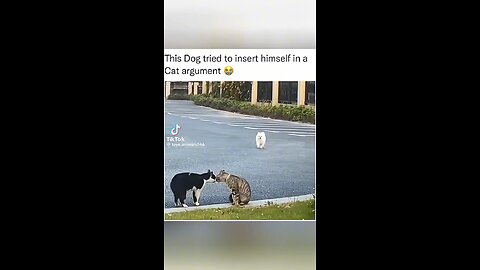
column 216, row 140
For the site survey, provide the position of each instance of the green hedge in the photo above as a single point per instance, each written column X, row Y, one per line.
column 285, row 112
column 178, row 97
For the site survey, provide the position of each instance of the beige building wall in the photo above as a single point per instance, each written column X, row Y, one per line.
column 275, row 95
column 301, row 93
column 167, row 89
column 254, row 92
column 190, row 88
column 195, row 88
column 204, row 87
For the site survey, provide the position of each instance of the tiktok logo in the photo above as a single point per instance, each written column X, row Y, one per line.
column 175, row 130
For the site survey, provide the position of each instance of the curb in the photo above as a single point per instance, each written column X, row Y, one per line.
column 249, row 205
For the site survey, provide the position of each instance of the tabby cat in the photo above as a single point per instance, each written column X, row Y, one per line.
column 239, row 187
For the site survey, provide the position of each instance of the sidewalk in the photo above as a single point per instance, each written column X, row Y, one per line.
column 250, row 204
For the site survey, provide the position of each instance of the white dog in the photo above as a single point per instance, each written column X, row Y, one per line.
column 261, row 140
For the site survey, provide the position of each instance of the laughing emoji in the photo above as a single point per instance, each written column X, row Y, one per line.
column 228, row 70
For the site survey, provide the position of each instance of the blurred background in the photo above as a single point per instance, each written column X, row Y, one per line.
column 246, row 24
column 240, row 245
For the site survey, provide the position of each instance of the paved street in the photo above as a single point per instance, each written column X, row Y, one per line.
column 216, row 140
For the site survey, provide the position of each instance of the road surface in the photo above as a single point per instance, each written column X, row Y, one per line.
column 210, row 139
